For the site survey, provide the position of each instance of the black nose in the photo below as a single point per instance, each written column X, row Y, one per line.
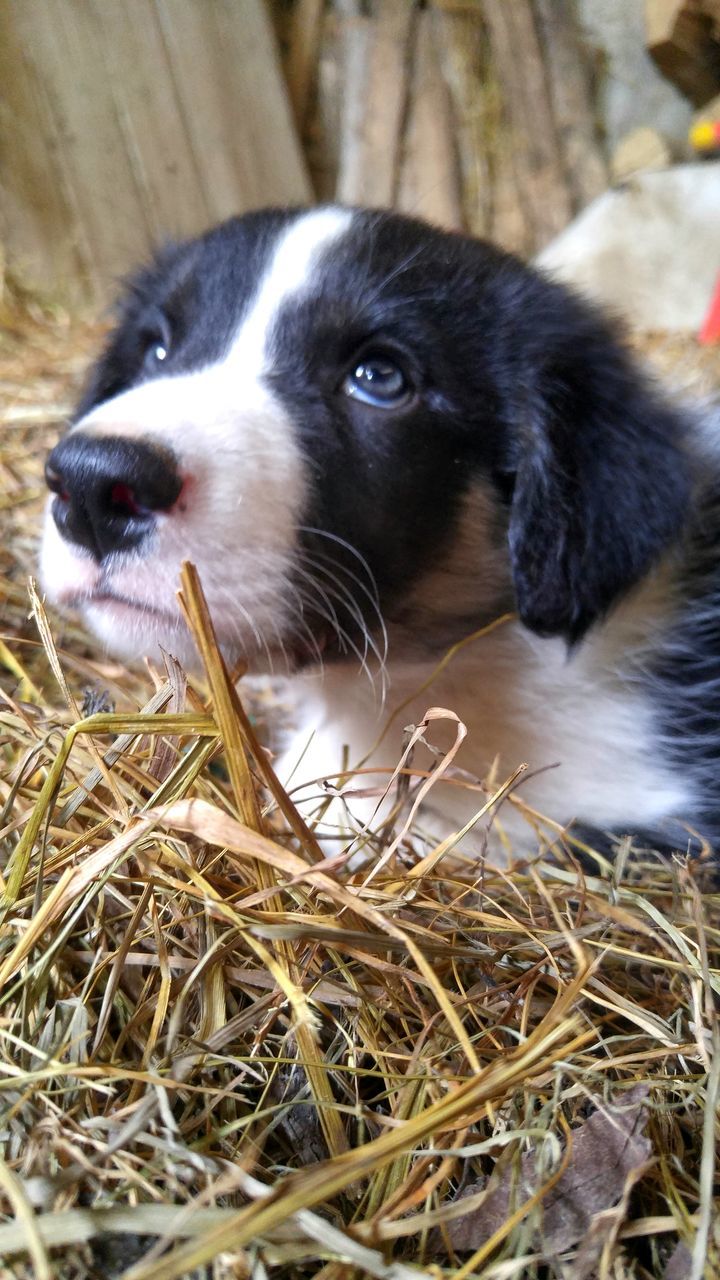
column 109, row 489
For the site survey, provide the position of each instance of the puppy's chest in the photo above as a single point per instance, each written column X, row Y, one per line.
column 585, row 733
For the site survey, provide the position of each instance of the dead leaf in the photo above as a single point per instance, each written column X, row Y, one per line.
column 607, row 1150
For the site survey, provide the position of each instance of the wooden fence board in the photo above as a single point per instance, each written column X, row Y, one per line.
column 132, row 121
column 63, row 50
column 370, row 175
column 168, row 179
column 34, row 201
column 237, row 107
column 429, row 182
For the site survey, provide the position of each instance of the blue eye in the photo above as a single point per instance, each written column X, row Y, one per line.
column 377, row 381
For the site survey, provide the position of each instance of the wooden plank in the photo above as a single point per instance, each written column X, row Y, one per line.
column 167, row 177
column 372, row 177
column 308, row 35
column 515, row 185
column 569, row 78
column 354, row 45
column 461, row 40
column 302, row 56
column 428, row 184
column 227, row 74
column 134, row 120
column 64, row 49
column 531, row 138
column 323, row 125
column 37, row 220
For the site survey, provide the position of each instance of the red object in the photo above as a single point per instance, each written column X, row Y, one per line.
column 710, row 331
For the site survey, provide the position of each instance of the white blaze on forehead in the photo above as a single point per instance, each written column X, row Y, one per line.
column 297, row 255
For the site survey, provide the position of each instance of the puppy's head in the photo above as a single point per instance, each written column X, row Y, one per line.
column 340, row 414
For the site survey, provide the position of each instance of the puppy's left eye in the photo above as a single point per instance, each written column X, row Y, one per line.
column 378, row 381
column 157, row 341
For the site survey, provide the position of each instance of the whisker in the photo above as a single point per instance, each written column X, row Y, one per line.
column 397, row 271
column 370, row 591
column 345, row 596
column 345, row 639
column 346, row 642
column 348, row 546
column 342, row 568
column 307, row 629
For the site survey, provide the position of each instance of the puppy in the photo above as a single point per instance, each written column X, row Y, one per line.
column 374, row 439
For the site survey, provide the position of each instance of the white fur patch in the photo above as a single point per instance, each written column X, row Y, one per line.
column 243, row 491
column 291, row 271
column 579, row 722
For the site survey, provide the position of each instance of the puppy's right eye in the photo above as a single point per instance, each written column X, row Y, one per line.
column 156, row 342
column 379, row 381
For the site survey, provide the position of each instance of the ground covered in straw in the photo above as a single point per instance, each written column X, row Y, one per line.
column 224, row 1054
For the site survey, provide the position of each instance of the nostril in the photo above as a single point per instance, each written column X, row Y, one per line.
column 123, row 501
column 54, row 482
column 110, row 489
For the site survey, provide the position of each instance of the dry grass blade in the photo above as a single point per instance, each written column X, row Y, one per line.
column 31, row 1237
column 198, row 617
column 97, row 724
column 235, row 742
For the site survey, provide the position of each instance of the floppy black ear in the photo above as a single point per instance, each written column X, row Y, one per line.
column 601, row 479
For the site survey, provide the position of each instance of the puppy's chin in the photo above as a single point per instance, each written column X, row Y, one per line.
column 132, row 632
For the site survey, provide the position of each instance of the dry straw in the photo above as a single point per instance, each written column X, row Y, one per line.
column 227, row 1052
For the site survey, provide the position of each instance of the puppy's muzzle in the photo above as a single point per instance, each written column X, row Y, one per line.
column 109, row 490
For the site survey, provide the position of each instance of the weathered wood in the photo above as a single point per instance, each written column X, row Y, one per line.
column 63, row 45
column 428, row 184
column 516, row 130
column 238, row 116
column 39, row 226
column 569, row 76
column 156, row 117
column 302, row 55
column 168, row 177
column 682, row 37
column 354, row 46
column 128, row 122
column 461, row 39
column 371, row 179
column 324, row 127
column 531, row 136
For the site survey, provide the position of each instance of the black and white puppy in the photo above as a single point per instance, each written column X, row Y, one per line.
column 373, row 438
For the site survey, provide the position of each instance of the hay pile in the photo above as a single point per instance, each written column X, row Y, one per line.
column 226, row 1055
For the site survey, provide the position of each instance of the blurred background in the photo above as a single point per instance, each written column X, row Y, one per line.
column 123, row 122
